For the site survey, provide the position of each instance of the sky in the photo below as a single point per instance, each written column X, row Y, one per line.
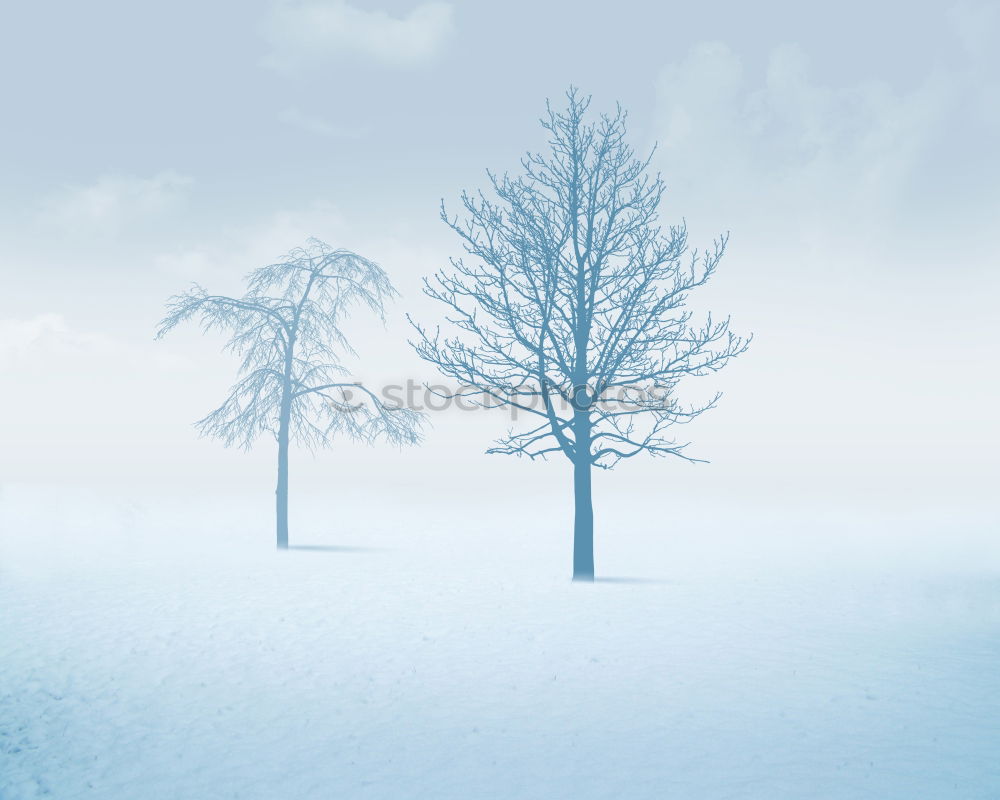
column 849, row 150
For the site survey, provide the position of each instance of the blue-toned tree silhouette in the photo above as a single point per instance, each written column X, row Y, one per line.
column 286, row 329
column 571, row 307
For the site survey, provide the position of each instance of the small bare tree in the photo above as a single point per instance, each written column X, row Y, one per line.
column 572, row 307
column 287, row 330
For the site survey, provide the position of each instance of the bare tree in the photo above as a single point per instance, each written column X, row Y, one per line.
column 571, row 307
column 293, row 384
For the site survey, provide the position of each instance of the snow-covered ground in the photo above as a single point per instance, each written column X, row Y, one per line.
column 162, row 649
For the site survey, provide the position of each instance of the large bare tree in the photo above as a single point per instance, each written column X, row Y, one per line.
column 287, row 331
column 570, row 307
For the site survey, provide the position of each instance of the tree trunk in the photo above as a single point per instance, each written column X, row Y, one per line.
column 281, row 493
column 583, row 522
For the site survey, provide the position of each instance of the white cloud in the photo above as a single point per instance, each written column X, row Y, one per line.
column 783, row 157
column 50, row 344
column 112, row 202
column 311, row 124
column 234, row 252
column 976, row 25
column 303, row 32
column 786, row 145
column 76, row 397
column 45, row 333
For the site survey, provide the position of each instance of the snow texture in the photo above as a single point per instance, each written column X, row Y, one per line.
column 162, row 650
